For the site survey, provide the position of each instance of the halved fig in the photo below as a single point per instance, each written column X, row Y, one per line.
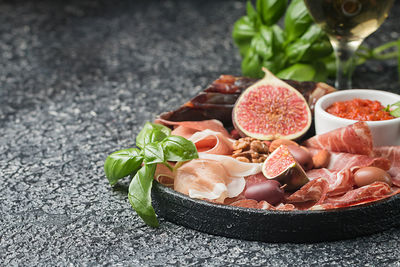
column 271, row 109
column 282, row 166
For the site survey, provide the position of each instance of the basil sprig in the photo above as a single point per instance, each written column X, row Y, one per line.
column 156, row 146
column 299, row 51
column 393, row 109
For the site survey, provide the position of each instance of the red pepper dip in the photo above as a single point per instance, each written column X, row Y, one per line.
column 359, row 109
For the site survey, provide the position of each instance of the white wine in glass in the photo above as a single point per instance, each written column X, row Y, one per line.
column 348, row 23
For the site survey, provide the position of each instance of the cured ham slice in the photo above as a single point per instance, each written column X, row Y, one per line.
column 212, row 142
column 392, row 153
column 233, row 166
column 340, row 161
column 202, row 179
column 314, row 190
column 362, row 195
column 213, row 177
column 188, row 128
column 354, row 139
column 339, row 182
column 164, row 175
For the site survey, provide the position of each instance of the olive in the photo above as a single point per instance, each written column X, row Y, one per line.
column 269, row 190
column 302, row 156
column 369, row 175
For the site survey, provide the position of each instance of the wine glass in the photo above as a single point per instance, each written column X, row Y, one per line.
column 348, row 23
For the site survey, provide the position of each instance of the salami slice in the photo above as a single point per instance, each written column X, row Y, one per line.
column 340, row 161
column 339, row 182
column 354, row 139
column 315, row 191
column 392, row 153
column 362, row 195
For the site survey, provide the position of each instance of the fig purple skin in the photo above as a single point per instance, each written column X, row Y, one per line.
column 269, row 191
column 302, row 156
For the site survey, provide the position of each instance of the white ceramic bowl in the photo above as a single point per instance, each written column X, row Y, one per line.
column 384, row 133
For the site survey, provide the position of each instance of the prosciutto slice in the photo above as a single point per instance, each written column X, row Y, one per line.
column 314, row 190
column 203, row 179
column 362, row 195
column 188, row 128
column 392, row 153
column 354, row 139
column 339, row 182
column 213, row 177
column 212, row 142
column 340, row 161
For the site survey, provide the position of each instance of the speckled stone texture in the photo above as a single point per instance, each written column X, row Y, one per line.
column 77, row 81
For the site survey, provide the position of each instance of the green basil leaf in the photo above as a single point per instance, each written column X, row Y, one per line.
column 396, row 104
column 121, row 164
column 271, row 10
column 251, row 12
column 313, row 33
column 243, row 32
column 177, row 148
column 317, row 50
column 330, row 64
column 153, row 153
column 152, row 132
column 265, row 50
column 295, row 51
column 297, row 20
column 276, row 63
column 321, row 72
column 299, row 72
column 398, row 58
column 395, row 112
column 140, row 194
column 251, row 64
column 279, row 38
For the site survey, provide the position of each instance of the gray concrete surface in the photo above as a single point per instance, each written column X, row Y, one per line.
column 77, row 81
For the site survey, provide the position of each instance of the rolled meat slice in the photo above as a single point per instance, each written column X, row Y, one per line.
column 314, row 190
column 339, row 182
column 188, row 128
column 392, row 153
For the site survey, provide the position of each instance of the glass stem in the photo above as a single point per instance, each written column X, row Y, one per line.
column 344, row 52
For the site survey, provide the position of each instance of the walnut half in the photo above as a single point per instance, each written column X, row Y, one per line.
column 249, row 149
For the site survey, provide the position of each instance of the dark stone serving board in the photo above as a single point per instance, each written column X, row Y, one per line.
column 275, row 226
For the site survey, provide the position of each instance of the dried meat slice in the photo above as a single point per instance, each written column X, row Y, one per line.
column 362, row 195
column 204, row 179
column 188, row 128
column 208, row 141
column 339, row 182
column 340, row 161
column 392, row 153
column 354, row 139
column 213, row 177
column 314, row 191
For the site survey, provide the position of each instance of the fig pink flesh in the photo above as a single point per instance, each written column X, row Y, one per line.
column 278, row 162
column 271, row 110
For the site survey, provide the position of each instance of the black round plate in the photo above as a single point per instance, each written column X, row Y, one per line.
column 276, row 226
